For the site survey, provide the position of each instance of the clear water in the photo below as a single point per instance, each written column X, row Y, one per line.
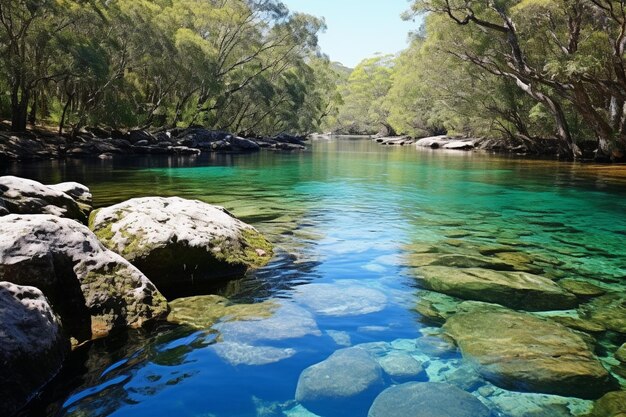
column 343, row 213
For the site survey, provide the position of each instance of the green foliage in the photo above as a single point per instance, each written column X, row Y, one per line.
column 249, row 66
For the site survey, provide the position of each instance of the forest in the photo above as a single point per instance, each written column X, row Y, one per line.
column 520, row 70
column 246, row 66
column 525, row 71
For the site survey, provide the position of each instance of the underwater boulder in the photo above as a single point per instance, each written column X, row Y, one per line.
column 517, row 290
column 344, row 384
column 520, row 351
column 427, row 399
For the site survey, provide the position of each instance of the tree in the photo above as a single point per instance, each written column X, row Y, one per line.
column 560, row 53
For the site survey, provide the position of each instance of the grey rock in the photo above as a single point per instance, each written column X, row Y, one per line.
column 427, row 399
column 342, row 385
column 24, row 196
column 94, row 290
column 402, row 367
column 79, row 192
column 32, row 345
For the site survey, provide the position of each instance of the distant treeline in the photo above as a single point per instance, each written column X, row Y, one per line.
column 247, row 66
column 524, row 70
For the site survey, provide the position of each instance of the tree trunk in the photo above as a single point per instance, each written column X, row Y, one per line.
column 19, row 108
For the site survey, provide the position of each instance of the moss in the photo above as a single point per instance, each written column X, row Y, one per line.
column 112, row 288
column 92, row 218
column 257, row 250
column 202, row 312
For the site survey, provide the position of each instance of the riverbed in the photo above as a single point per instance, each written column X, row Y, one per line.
column 351, row 221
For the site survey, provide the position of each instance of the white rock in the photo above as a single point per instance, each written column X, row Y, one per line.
column 94, row 290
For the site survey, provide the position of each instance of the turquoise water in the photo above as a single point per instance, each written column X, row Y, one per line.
column 347, row 214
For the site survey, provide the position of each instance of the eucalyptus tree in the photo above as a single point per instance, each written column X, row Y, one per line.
column 364, row 94
column 27, row 31
column 567, row 55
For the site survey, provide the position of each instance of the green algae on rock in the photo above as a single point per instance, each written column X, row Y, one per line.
column 520, row 351
column 180, row 243
column 518, row 290
column 94, row 290
column 204, row 311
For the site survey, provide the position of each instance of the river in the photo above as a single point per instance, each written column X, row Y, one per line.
column 349, row 218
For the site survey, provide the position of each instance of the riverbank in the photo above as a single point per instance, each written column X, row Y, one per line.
column 41, row 144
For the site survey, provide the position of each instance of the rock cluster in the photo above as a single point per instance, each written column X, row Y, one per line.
column 60, row 284
column 106, row 143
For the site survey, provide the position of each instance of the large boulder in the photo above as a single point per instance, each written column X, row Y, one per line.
column 24, row 196
column 94, row 290
column 520, row 351
column 342, row 385
column 180, row 244
column 32, row 346
column 80, row 193
column 427, row 399
column 517, row 290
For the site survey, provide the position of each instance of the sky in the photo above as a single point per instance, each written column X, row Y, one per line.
column 358, row 29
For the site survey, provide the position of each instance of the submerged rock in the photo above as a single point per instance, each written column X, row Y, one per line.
column 32, row 345
column 204, row 311
column 180, row 243
column 518, row 290
column 243, row 354
column 427, row 399
column 340, row 300
column 402, row 367
column 520, row 351
column 582, row 289
column 518, row 404
column 609, row 310
column 23, row 196
column 342, row 385
column 94, row 290
column 286, row 321
column 612, row 404
column 436, row 306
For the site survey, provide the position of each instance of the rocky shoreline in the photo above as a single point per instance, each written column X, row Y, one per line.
column 40, row 145
column 63, row 284
column 545, row 147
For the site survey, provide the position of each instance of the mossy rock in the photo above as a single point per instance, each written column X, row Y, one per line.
column 522, row 352
column 182, row 245
column 94, row 290
column 517, row 290
column 201, row 312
